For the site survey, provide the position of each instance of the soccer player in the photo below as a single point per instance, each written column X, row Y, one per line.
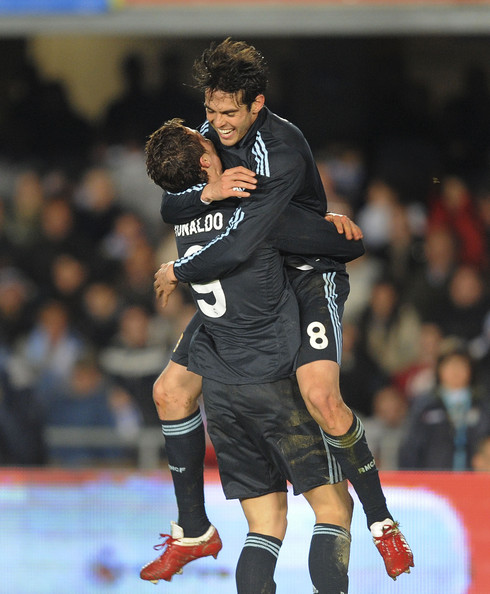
column 233, row 78
column 261, row 430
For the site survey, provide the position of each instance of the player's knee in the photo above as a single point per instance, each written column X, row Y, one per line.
column 335, row 511
column 274, row 524
column 173, row 399
column 325, row 401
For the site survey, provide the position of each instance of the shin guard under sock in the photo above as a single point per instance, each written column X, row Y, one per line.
column 257, row 563
column 185, row 447
column 358, row 465
column 328, row 560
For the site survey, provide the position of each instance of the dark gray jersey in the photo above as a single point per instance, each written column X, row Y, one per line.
column 250, row 332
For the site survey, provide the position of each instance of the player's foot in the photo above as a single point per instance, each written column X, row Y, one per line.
column 179, row 551
column 393, row 547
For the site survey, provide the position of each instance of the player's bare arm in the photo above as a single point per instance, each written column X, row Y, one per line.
column 165, row 282
column 345, row 225
column 232, row 182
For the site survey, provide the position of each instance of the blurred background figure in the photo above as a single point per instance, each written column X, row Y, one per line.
column 389, row 328
column 135, row 357
column 419, row 377
column 481, row 458
column 429, row 285
column 45, row 356
column 127, row 119
column 454, row 209
column 87, row 399
column 446, row 425
column 360, row 376
column 21, row 426
column 385, row 428
column 462, row 311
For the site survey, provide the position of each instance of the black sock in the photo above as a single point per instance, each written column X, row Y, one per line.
column 257, row 563
column 185, row 447
column 328, row 560
column 357, row 462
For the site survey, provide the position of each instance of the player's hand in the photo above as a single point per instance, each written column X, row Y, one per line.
column 233, row 182
column 165, row 282
column 345, row 225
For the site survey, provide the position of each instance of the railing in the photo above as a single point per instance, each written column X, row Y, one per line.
column 147, row 442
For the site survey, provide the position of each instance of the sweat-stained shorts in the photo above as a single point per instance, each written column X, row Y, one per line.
column 263, row 436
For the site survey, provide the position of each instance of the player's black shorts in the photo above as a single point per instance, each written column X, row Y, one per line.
column 263, row 435
column 180, row 354
column 321, row 298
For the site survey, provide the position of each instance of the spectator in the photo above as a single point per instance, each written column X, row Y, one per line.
column 389, row 328
column 17, row 296
column 58, row 235
column 360, row 376
column 454, row 209
column 127, row 119
column 364, row 272
column 135, row 284
column 402, row 255
column 386, row 427
column 446, row 425
column 96, row 202
column 430, row 284
column 87, row 399
column 47, row 353
column 375, row 217
column 462, row 312
column 7, row 247
column 24, row 210
column 135, row 358
column 21, row 426
column 481, row 458
column 419, row 377
column 100, row 311
column 68, row 277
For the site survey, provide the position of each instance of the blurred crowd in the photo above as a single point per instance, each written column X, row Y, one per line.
column 82, row 338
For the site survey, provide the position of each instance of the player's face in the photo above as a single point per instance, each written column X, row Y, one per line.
column 228, row 116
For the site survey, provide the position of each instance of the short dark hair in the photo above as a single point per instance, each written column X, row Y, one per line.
column 173, row 157
column 234, row 67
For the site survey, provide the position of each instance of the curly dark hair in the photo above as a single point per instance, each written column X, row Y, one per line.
column 232, row 67
column 173, row 157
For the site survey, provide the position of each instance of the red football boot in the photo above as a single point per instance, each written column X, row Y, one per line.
column 179, row 551
column 393, row 547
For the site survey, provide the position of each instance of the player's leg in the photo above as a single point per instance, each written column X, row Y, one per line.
column 328, row 559
column 176, row 393
column 344, row 434
column 235, row 416
column 266, row 517
column 321, row 299
column 292, row 439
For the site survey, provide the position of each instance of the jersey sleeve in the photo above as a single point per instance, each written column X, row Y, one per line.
column 250, row 224
column 304, row 233
column 181, row 207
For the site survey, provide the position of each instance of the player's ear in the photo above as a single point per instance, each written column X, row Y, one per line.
column 205, row 161
column 258, row 104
